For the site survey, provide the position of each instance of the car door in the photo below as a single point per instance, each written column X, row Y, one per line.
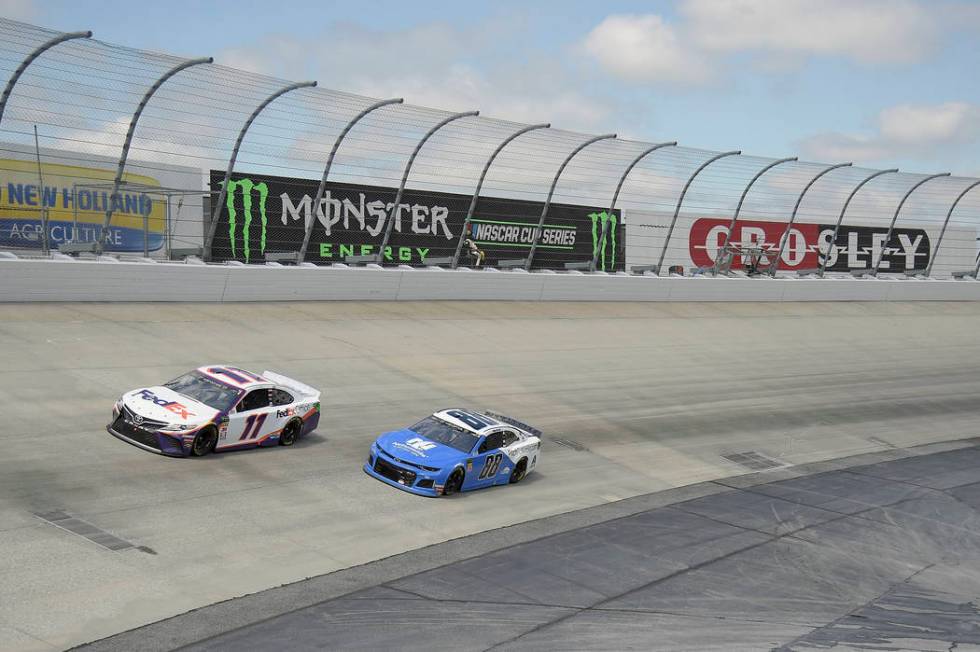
column 487, row 461
column 248, row 421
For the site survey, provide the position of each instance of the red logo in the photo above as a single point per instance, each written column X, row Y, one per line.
column 800, row 252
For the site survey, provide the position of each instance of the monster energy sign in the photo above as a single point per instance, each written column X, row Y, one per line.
column 604, row 236
column 270, row 214
column 247, row 186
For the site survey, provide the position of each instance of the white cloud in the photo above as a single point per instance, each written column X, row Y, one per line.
column 779, row 34
column 903, row 131
column 22, row 10
column 871, row 31
column 432, row 65
column 645, row 48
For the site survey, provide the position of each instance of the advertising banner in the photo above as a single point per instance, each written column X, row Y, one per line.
column 856, row 247
column 269, row 214
column 22, row 201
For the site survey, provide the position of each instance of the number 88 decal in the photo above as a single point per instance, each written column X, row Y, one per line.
column 491, row 466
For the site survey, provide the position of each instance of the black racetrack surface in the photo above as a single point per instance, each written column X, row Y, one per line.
column 882, row 555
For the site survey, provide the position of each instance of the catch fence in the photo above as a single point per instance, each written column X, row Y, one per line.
column 110, row 149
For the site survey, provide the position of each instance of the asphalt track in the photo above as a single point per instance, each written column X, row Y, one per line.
column 877, row 551
column 647, row 398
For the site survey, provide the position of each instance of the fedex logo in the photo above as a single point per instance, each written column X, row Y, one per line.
column 173, row 406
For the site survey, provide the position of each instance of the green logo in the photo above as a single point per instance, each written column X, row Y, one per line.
column 247, row 186
column 604, row 221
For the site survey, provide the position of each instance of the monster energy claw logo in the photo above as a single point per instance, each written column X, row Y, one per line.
column 247, row 186
column 604, row 224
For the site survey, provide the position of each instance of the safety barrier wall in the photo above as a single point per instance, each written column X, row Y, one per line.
column 44, row 280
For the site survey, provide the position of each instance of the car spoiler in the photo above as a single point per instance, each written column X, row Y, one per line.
column 286, row 381
column 514, row 422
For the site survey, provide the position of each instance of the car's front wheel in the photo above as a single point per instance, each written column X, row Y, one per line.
column 290, row 433
column 454, row 483
column 204, row 442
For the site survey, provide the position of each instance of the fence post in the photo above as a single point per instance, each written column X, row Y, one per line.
column 551, row 192
column 942, row 232
column 38, row 51
column 408, row 168
column 840, row 218
column 680, row 201
column 301, row 256
column 612, row 204
column 479, row 185
column 213, row 227
column 129, row 141
column 741, row 200
column 891, row 227
column 792, row 217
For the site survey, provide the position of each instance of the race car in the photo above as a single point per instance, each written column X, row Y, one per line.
column 455, row 450
column 216, row 408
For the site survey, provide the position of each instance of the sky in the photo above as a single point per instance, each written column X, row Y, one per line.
column 881, row 83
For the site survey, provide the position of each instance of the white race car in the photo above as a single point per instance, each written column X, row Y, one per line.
column 216, row 408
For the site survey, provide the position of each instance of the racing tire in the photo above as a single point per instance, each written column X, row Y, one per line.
column 290, row 433
column 204, row 442
column 454, row 483
column 519, row 472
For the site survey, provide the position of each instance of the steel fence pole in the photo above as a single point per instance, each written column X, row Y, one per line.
column 741, row 201
column 942, row 232
column 38, row 51
column 213, row 227
column 479, row 185
column 612, row 205
column 110, row 209
column 318, row 197
column 408, row 169
column 551, row 192
column 680, row 201
column 840, row 218
column 891, row 227
column 796, row 208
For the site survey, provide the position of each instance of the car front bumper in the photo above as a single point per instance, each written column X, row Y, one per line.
column 167, row 445
column 432, row 492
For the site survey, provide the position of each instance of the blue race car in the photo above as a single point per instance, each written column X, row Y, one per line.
column 455, row 450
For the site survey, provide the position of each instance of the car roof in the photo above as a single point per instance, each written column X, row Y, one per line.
column 234, row 377
column 448, row 416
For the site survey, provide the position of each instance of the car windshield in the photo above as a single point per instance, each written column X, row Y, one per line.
column 204, row 390
column 444, row 433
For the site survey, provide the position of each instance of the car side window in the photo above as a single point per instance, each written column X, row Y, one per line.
column 257, row 398
column 281, row 397
column 509, row 437
column 493, row 441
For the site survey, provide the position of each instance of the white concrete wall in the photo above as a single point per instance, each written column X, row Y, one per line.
column 43, row 280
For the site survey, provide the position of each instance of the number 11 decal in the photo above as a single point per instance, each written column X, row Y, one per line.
column 251, row 432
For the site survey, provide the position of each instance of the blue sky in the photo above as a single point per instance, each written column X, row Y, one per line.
column 878, row 82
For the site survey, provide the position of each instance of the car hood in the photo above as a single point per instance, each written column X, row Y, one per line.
column 164, row 404
column 429, row 453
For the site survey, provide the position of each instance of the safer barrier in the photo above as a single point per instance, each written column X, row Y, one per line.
column 47, row 280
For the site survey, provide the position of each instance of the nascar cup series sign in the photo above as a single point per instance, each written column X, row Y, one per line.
column 270, row 214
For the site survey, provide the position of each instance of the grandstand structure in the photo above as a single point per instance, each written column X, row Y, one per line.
column 111, row 149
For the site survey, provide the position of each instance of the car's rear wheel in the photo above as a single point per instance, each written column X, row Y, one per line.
column 290, row 433
column 519, row 472
column 204, row 442
column 454, row 483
